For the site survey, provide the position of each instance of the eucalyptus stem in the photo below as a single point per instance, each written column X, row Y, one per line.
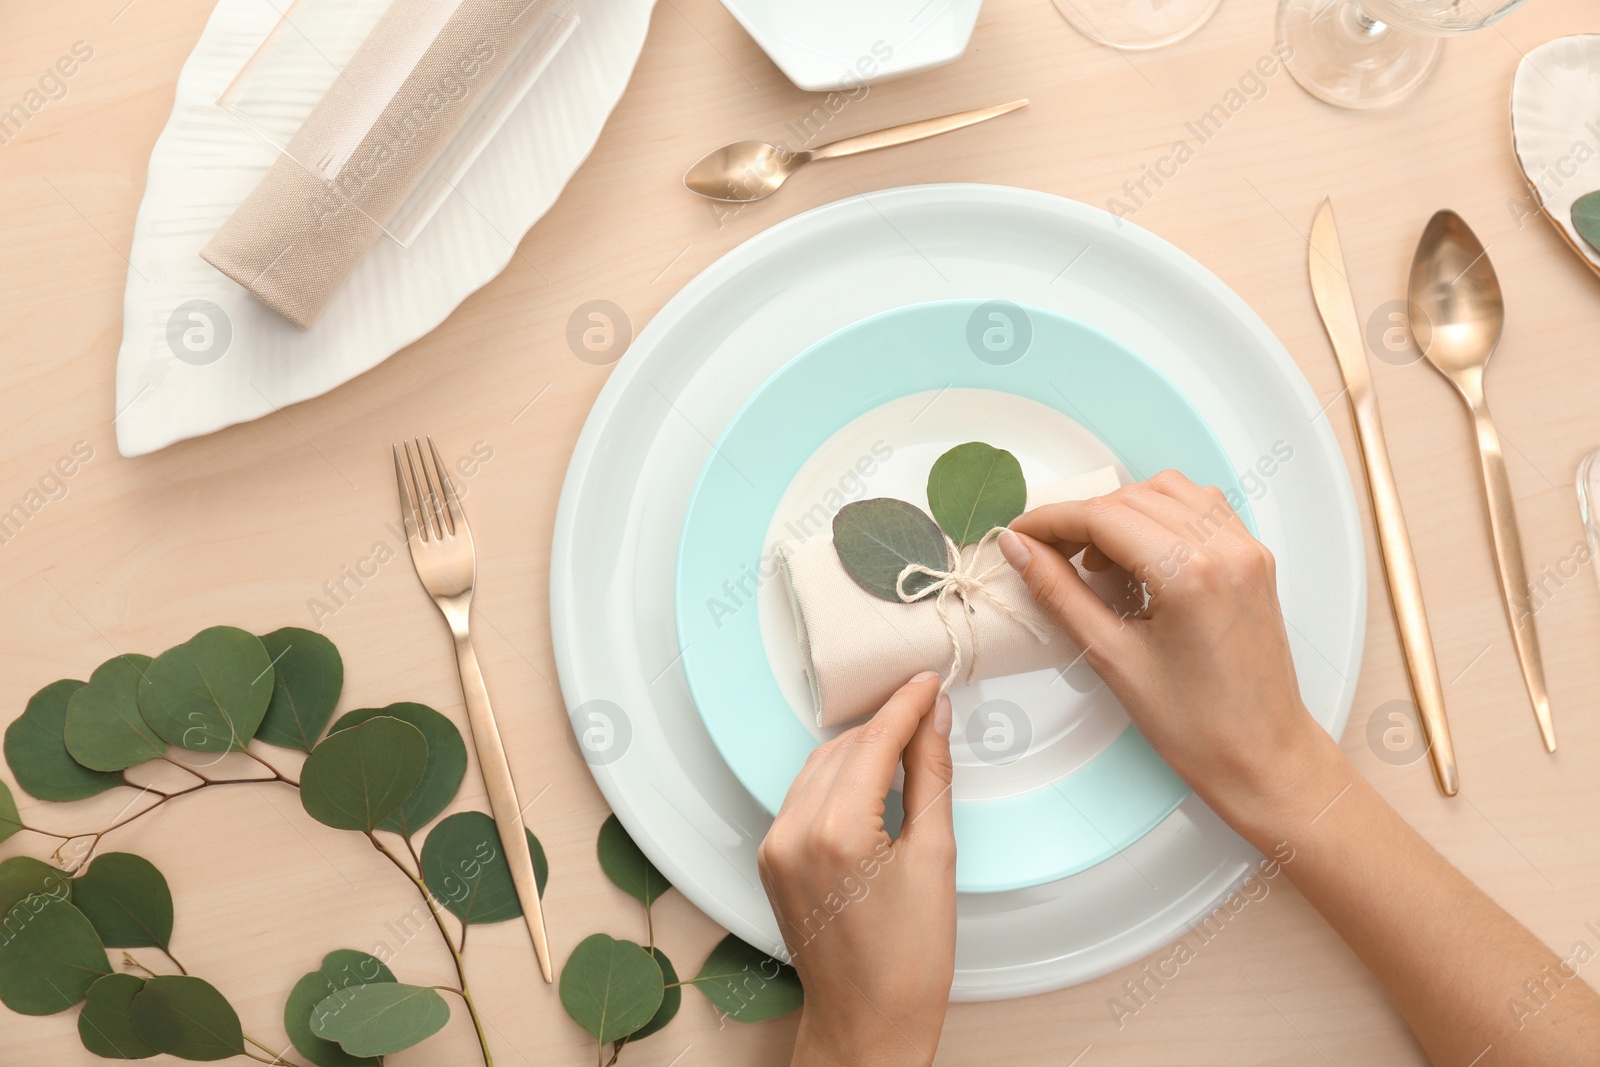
column 277, row 774
column 276, row 1059
column 162, row 798
column 449, row 943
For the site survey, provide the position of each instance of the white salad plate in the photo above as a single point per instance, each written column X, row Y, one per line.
column 200, row 353
column 714, row 344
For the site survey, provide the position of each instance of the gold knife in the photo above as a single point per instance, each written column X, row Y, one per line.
column 1331, row 288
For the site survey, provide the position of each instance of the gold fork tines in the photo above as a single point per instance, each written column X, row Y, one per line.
column 442, row 552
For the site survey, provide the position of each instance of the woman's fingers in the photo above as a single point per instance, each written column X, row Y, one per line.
column 1122, row 534
column 1059, row 589
column 867, row 765
column 928, row 774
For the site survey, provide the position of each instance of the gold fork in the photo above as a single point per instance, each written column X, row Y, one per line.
column 442, row 552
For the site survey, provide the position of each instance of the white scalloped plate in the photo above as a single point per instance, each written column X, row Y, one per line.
column 205, row 163
column 1555, row 129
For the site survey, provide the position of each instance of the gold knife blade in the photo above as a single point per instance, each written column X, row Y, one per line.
column 1330, row 287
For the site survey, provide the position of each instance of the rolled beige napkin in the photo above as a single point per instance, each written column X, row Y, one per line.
column 406, row 91
column 857, row 648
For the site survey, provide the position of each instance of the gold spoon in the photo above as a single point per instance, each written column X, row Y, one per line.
column 1458, row 315
column 750, row 170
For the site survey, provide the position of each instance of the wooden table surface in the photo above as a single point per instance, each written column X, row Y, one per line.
column 246, row 526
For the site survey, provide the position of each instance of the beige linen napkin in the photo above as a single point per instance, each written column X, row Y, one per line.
column 857, row 648
column 405, row 93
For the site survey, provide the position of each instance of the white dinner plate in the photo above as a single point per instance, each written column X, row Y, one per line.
column 725, row 333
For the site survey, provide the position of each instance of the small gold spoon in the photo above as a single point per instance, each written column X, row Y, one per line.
column 750, row 170
column 1459, row 315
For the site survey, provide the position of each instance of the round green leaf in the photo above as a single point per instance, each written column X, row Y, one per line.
column 105, row 1025
column 341, row 969
column 127, row 900
column 307, row 675
column 973, row 488
column 627, row 867
column 746, row 984
column 441, row 778
column 878, row 539
column 23, row 876
column 465, row 869
column 353, row 779
column 376, row 1020
column 104, row 730
column 10, row 817
column 186, row 1017
column 49, row 956
column 1586, row 217
column 671, row 997
column 210, row 693
column 611, row 988
column 36, row 749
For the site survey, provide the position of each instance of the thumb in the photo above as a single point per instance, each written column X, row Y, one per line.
column 1058, row 587
column 928, row 772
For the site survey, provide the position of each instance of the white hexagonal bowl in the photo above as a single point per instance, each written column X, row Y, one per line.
column 834, row 45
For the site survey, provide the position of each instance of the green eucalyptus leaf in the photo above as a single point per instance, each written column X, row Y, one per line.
column 627, row 867
column 1586, row 218
column 746, row 984
column 127, row 900
column 186, row 1017
column 10, row 817
column 104, row 730
column 671, row 997
column 376, row 1020
column 210, row 693
column 611, row 988
column 49, row 956
column 353, row 779
column 105, row 1025
column 877, row 539
column 36, row 749
column 973, row 488
column 23, row 876
column 307, row 675
column 465, row 869
column 341, row 969
column 441, row 777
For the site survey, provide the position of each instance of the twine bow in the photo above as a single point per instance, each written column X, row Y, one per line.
column 962, row 582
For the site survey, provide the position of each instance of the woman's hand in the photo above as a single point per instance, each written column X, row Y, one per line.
column 1205, row 673
column 870, row 922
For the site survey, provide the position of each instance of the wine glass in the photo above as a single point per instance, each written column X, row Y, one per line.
column 1136, row 24
column 1373, row 53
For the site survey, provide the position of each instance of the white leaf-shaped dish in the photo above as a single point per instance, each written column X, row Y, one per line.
column 205, row 163
column 1555, row 129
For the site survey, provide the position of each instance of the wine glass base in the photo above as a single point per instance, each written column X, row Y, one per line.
column 1343, row 56
column 1136, row 25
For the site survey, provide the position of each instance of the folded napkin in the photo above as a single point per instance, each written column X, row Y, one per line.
column 857, row 648
column 395, row 107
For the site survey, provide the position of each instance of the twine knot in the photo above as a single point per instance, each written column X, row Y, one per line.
column 962, row 583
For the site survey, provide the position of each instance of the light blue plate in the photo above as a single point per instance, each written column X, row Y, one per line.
column 1010, row 843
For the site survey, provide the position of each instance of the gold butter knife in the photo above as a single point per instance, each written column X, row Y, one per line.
column 1335, row 302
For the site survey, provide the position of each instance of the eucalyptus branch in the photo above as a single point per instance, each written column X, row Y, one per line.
column 162, row 798
column 444, row 934
column 276, row 1060
column 276, row 774
column 130, row 962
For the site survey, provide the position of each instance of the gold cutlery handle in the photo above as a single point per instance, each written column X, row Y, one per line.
column 1510, row 564
column 502, row 797
column 911, row 131
column 1405, row 587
